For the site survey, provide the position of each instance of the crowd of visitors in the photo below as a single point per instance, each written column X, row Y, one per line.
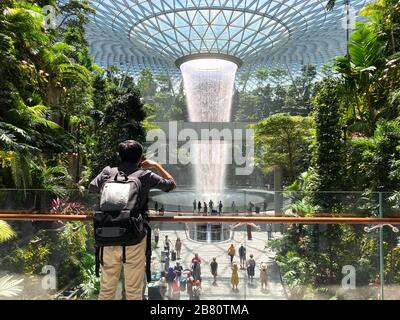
column 178, row 278
column 210, row 208
column 207, row 208
column 248, row 265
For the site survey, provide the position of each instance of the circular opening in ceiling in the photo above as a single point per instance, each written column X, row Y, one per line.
column 207, row 56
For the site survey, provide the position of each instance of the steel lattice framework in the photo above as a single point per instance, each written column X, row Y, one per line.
column 133, row 34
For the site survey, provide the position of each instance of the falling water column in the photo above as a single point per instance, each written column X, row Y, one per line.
column 208, row 85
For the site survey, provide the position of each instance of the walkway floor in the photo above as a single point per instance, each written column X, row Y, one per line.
column 223, row 289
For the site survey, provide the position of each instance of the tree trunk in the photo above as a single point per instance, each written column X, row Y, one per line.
column 278, row 196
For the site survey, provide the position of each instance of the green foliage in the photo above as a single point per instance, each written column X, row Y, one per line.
column 6, row 232
column 311, row 261
column 163, row 103
column 328, row 150
column 90, row 286
column 122, row 119
column 275, row 91
column 43, row 83
column 29, row 259
column 66, row 251
column 383, row 157
column 10, row 287
column 362, row 98
column 369, row 77
column 67, row 254
column 282, row 140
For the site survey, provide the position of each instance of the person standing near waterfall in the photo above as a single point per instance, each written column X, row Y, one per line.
column 199, row 207
column 211, row 205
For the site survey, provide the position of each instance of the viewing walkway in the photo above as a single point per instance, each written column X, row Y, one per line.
column 223, row 290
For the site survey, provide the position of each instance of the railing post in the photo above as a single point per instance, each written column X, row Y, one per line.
column 381, row 248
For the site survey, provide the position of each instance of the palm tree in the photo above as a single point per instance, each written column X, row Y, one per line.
column 6, row 232
column 9, row 287
column 64, row 74
column 359, row 70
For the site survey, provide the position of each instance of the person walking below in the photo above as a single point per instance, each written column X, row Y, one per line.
column 131, row 258
column 231, row 252
column 214, row 269
column 156, row 232
column 220, row 206
column 211, row 205
column 190, row 284
column 269, row 231
column 156, row 206
column 176, row 290
column 170, row 277
column 233, row 207
column 194, row 205
column 199, row 207
column 167, row 244
column 251, row 206
column 249, row 228
column 263, row 276
column 163, row 286
column 234, row 276
column 242, row 256
column 196, row 257
column 178, row 247
column 251, row 266
column 204, row 209
column 197, row 290
column 196, row 270
column 178, row 270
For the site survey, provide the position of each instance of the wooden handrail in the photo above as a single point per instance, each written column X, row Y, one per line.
column 204, row 219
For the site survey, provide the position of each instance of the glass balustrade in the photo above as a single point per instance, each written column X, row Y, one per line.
column 295, row 257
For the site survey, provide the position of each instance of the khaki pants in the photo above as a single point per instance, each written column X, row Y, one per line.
column 134, row 271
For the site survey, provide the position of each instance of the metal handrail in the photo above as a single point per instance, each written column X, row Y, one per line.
column 41, row 216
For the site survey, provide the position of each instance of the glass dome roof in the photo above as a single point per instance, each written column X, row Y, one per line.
column 133, row 34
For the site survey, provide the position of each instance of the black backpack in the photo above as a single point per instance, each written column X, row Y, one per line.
column 120, row 222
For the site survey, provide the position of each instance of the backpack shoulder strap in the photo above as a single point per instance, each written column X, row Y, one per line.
column 137, row 173
column 112, row 172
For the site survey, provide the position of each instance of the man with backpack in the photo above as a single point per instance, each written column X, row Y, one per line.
column 120, row 225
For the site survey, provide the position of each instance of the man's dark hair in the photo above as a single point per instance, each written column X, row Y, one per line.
column 130, row 151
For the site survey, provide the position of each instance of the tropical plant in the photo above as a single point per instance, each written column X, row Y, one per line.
column 122, row 119
column 6, row 232
column 301, row 208
column 282, row 141
column 65, row 206
column 10, row 287
column 328, row 149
